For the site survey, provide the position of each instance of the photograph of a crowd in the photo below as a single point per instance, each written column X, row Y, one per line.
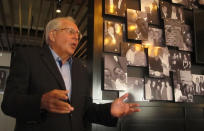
column 137, row 40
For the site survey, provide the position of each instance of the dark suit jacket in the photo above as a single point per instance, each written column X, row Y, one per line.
column 34, row 72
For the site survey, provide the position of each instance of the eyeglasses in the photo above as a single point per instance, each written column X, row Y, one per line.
column 71, row 31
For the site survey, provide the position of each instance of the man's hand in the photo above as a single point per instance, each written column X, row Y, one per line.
column 119, row 108
column 54, row 101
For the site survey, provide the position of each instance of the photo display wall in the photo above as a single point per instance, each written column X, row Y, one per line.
column 155, row 37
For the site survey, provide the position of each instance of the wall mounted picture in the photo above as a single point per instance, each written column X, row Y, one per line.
column 155, row 37
column 158, row 59
column 115, row 73
column 179, row 60
column 135, row 89
column 183, row 87
column 170, row 11
column 137, row 25
column 151, row 8
column 115, row 7
column 173, row 34
column 3, row 77
column 158, row 89
column 198, row 84
column 113, row 36
column 186, row 44
column 134, row 54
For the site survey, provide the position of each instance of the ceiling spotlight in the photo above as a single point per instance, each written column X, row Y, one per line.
column 58, row 9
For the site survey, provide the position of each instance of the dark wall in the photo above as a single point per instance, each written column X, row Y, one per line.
column 155, row 116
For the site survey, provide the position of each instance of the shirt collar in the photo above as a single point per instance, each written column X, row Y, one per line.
column 57, row 58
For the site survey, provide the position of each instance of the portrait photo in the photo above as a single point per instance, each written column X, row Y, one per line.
column 158, row 60
column 155, row 37
column 115, row 7
column 113, row 36
column 3, row 77
column 183, row 87
column 137, row 25
column 198, row 84
column 186, row 44
column 135, row 89
column 151, row 8
column 115, row 72
column 158, row 89
column 134, row 54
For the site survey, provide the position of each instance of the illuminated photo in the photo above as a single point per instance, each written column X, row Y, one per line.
column 115, row 7
column 186, row 44
column 137, row 25
column 134, row 54
column 158, row 59
column 113, row 36
column 115, row 73
column 151, row 8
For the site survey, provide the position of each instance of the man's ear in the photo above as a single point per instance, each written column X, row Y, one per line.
column 52, row 36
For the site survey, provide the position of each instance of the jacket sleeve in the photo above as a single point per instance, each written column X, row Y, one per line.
column 17, row 101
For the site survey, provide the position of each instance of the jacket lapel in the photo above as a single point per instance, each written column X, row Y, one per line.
column 49, row 61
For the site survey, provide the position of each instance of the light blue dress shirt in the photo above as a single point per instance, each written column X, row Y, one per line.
column 65, row 70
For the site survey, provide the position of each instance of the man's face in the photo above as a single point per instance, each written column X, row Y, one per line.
column 64, row 41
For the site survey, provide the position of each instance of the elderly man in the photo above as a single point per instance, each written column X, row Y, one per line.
column 48, row 89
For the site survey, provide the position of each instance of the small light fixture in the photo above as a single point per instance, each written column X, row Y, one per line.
column 58, row 9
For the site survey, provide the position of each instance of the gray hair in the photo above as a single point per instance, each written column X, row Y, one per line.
column 55, row 24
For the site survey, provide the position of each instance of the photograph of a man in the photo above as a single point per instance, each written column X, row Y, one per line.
column 198, row 84
column 115, row 73
column 155, row 37
column 48, row 89
column 113, row 36
column 134, row 54
column 137, row 25
column 115, row 7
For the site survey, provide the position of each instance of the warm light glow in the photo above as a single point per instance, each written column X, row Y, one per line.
column 132, row 27
column 106, row 41
column 111, row 10
column 118, row 29
column 147, row 44
column 138, row 47
column 58, row 11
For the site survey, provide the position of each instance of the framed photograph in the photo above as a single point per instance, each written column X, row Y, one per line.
column 183, row 87
column 4, row 72
column 158, row 59
column 137, row 25
column 173, row 34
column 198, row 84
column 115, row 7
column 151, row 8
column 135, row 89
column 113, row 36
column 115, row 73
column 134, row 54
column 186, row 44
column 170, row 11
column 158, row 89
column 155, row 37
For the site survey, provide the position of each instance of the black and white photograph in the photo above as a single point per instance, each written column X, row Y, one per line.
column 113, row 36
column 198, row 84
column 151, row 8
column 137, row 25
column 158, row 89
column 134, row 54
column 135, row 89
column 173, row 34
column 187, row 39
column 155, row 37
column 158, row 60
column 183, row 87
column 115, row 7
column 115, row 72
column 3, row 77
column 179, row 60
column 170, row 11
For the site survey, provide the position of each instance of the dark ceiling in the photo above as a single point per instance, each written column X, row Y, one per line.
column 23, row 21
